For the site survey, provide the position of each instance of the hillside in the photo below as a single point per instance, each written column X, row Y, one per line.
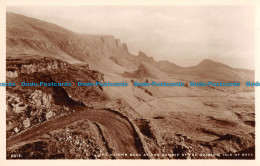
column 72, row 122
column 31, row 37
column 211, row 70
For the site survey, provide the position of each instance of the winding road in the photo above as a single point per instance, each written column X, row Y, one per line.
column 119, row 133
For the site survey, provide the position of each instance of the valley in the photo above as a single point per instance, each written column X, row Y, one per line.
column 98, row 122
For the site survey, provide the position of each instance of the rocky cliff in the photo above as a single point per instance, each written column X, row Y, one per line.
column 30, row 105
column 28, row 66
column 32, row 37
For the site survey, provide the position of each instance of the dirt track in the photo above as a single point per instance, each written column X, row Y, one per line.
column 116, row 130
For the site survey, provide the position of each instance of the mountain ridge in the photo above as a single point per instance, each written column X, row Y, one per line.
column 105, row 53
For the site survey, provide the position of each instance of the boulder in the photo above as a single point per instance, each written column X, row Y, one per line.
column 26, row 123
column 49, row 115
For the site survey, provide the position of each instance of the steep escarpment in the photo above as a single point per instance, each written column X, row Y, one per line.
column 28, row 36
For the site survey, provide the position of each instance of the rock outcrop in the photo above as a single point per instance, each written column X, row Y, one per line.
column 16, row 66
column 29, row 36
column 40, row 99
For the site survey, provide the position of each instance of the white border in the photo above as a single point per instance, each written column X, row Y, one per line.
column 3, row 4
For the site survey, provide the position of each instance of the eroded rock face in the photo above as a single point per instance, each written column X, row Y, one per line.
column 12, row 74
column 15, row 67
column 25, row 110
column 57, row 40
column 39, row 67
column 14, row 104
column 125, row 47
column 41, row 99
column 28, row 106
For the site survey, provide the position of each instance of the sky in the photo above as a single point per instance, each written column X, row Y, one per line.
column 184, row 35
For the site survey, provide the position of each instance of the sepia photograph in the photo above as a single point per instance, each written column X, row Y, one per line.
column 130, row 82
